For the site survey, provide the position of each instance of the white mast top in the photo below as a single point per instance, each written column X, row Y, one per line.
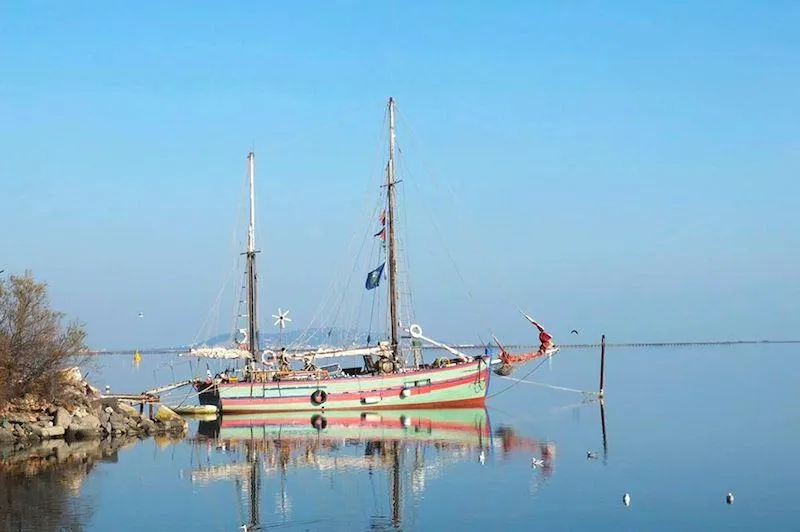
column 251, row 232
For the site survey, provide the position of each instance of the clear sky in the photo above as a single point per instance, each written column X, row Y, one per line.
column 620, row 167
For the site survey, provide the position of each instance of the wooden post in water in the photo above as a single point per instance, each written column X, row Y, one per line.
column 602, row 365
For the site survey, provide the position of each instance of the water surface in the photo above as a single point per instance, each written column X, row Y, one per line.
column 683, row 428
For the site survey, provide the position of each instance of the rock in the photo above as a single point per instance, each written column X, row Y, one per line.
column 87, row 426
column 171, row 426
column 90, row 421
column 62, row 417
column 108, row 409
column 46, row 433
column 6, row 436
column 27, row 430
column 104, row 417
column 80, row 412
column 165, row 414
column 127, row 410
column 148, row 425
column 19, row 418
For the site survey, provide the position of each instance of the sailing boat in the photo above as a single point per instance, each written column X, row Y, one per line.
column 269, row 383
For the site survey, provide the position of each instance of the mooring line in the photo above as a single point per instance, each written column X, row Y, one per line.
column 552, row 386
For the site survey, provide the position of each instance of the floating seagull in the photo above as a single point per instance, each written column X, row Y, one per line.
column 536, row 462
column 729, row 498
column 482, row 458
column 141, row 314
column 590, row 455
column 574, row 331
column 626, row 500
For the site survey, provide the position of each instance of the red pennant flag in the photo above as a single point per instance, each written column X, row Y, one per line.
column 383, row 217
column 381, row 234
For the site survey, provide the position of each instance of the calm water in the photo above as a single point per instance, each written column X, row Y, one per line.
column 684, row 427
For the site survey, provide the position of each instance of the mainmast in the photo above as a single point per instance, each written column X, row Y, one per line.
column 390, row 184
column 252, row 277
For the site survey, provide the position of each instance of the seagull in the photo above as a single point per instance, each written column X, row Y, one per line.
column 729, row 498
column 536, row 462
column 590, row 455
column 626, row 499
column 482, row 458
column 574, row 331
column 281, row 318
column 141, row 314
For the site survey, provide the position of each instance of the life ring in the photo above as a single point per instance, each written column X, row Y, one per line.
column 319, row 422
column 264, row 357
column 415, row 331
column 318, row 397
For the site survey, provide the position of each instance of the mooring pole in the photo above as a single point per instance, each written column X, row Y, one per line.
column 602, row 364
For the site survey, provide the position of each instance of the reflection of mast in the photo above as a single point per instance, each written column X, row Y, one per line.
column 397, row 504
column 284, row 506
column 603, row 425
column 254, row 487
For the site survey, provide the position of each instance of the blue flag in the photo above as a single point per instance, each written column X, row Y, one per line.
column 374, row 277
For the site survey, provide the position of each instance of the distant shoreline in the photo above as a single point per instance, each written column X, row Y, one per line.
column 174, row 350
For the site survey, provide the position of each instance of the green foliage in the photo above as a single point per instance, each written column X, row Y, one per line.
column 35, row 347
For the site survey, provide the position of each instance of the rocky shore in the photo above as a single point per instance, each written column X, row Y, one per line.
column 96, row 419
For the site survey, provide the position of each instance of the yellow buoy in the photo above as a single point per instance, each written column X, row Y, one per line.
column 137, row 357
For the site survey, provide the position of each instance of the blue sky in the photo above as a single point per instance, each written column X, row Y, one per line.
column 628, row 168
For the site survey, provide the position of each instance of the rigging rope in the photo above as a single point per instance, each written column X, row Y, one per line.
column 214, row 310
column 479, row 314
column 537, row 366
column 551, row 386
column 334, row 295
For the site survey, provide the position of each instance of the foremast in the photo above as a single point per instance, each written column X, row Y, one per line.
column 391, row 251
column 252, row 276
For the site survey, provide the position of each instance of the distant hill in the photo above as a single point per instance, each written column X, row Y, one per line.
column 314, row 337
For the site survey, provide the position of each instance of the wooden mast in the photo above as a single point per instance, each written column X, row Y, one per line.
column 392, row 258
column 252, row 276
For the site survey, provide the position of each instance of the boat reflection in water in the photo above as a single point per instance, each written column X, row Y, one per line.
column 411, row 446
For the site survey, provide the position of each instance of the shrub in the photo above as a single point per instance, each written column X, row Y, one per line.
column 35, row 348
